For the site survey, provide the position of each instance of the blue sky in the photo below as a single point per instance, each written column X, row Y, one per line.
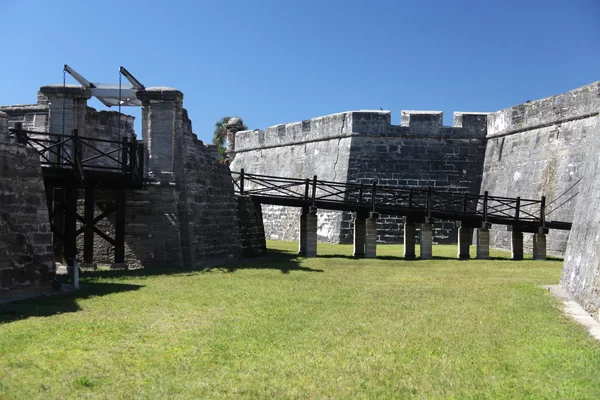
column 274, row 62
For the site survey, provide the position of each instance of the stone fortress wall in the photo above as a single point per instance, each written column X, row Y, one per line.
column 26, row 253
column 531, row 150
column 539, row 149
column 186, row 213
column 581, row 271
column 362, row 146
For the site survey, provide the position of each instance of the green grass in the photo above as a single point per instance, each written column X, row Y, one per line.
column 287, row 327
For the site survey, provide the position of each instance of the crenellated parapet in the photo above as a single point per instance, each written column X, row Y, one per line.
column 421, row 124
column 363, row 146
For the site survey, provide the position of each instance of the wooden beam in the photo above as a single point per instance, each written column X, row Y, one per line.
column 88, row 238
column 120, row 228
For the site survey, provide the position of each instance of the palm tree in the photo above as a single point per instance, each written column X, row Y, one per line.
column 220, row 135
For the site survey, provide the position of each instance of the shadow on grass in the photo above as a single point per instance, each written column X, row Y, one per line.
column 275, row 260
column 400, row 258
column 59, row 303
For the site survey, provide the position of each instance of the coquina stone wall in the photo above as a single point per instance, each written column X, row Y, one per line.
column 362, row 146
column 188, row 217
column 186, row 213
column 320, row 146
column 539, row 149
column 26, row 252
column 581, row 272
column 34, row 117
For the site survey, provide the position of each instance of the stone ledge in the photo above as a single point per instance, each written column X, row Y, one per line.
column 161, row 93
column 575, row 311
column 65, row 91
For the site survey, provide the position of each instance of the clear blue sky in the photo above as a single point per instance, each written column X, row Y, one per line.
column 273, row 62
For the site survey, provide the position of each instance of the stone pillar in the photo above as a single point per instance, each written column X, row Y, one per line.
column 302, row 232
column 162, row 129
column 539, row 246
column 311, row 232
column 409, row 240
column 233, row 127
column 426, row 241
column 371, row 236
column 483, row 243
column 517, row 245
column 66, row 108
column 464, row 243
column 360, row 233
column 4, row 127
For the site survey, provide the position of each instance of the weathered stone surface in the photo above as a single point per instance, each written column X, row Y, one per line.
column 252, row 231
column 539, row 149
column 32, row 116
column 186, row 214
column 26, row 254
column 581, row 272
column 362, row 146
column 3, row 127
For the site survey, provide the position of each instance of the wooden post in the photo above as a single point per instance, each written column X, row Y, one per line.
column 74, row 153
column 58, row 223
column 132, row 158
column 373, row 194
column 485, row 206
column 428, row 201
column 543, row 212
column 242, row 181
column 88, row 232
column 517, row 208
column 124, row 151
column 306, row 189
column 314, row 190
column 120, row 228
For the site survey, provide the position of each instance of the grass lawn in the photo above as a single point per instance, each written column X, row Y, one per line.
column 287, row 327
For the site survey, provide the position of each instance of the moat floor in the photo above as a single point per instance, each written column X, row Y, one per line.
column 288, row 327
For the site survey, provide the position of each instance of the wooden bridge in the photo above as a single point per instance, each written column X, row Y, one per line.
column 71, row 163
column 416, row 205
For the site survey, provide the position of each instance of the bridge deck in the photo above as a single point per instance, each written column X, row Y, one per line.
column 416, row 204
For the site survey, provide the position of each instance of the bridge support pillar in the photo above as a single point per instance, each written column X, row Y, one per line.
column 360, row 232
column 409, row 240
column 483, row 243
column 539, row 246
column 516, row 245
column 302, row 232
column 371, row 236
column 464, row 243
column 426, row 241
column 311, row 232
